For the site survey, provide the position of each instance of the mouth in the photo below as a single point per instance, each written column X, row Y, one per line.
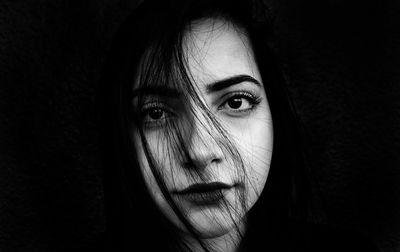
column 204, row 194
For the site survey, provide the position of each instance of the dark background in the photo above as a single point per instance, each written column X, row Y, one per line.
column 342, row 63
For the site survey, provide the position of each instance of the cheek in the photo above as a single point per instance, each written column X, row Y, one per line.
column 255, row 143
column 149, row 177
column 262, row 144
column 162, row 156
column 259, row 158
column 145, row 169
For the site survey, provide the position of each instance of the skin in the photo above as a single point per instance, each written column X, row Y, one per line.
column 216, row 50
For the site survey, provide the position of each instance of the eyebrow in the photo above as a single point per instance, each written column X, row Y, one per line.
column 230, row 81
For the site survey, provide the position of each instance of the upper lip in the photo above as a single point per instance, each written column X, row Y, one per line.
column 204, row 188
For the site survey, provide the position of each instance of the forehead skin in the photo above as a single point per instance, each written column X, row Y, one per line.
column 217, row 49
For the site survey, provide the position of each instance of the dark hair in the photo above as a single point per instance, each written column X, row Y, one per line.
column 132, row 216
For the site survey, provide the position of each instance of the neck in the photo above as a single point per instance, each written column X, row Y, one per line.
column 228, row 242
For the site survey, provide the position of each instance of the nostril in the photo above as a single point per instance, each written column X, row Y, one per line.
column 188, row 165
column 195, row 164
column 216, row 160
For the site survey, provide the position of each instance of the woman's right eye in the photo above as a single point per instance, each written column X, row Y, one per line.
column 155, row 114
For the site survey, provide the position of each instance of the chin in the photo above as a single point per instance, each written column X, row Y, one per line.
column 213, row 223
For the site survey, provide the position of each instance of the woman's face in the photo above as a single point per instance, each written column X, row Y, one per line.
column 213, row 176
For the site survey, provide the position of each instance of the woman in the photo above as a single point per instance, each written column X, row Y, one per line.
column 205, row 151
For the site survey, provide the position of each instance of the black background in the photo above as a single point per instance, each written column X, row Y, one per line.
column 342, row 64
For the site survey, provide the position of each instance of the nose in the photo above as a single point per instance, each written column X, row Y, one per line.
column 203, row 145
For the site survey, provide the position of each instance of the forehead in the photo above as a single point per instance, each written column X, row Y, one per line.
column 213, row 49
column 217, row 49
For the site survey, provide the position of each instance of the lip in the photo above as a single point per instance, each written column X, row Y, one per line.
column 204, row 194
column 204, row 188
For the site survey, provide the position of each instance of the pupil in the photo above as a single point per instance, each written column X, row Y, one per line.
column 235, row 103
column 156, row 114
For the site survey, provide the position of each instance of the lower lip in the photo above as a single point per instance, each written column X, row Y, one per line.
column 211, row 198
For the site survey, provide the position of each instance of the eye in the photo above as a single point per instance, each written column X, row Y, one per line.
column 239, row 102
column 155, row 114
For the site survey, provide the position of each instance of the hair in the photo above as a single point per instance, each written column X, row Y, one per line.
column 149, row 45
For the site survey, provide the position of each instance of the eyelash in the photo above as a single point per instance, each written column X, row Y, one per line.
column 252, row 99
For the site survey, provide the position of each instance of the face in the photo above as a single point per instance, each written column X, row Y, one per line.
column 219, row 169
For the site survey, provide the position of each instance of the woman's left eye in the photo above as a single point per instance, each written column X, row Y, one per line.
column 239, row 103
